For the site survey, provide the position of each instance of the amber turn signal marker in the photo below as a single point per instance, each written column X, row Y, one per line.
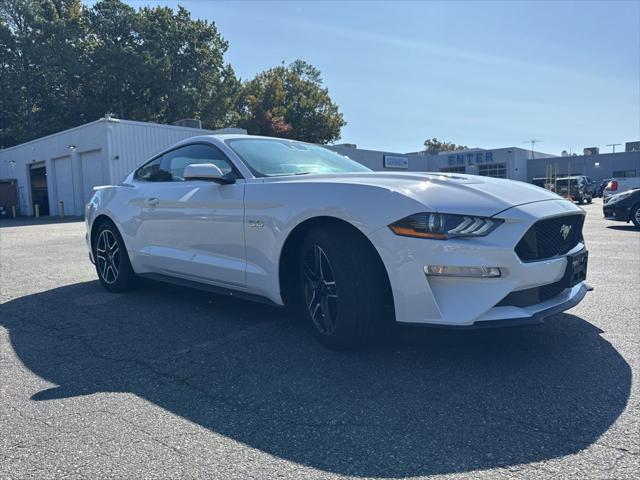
column 409, row 232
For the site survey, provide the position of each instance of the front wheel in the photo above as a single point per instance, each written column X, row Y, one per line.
column 111, row 259
column 343, row 292
column 635, row 215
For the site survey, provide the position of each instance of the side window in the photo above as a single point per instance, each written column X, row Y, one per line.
column 175, row 161
column 153, row 172
column 170, row 166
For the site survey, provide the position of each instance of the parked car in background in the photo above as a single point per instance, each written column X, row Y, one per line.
column 576, row 188
column 620, row 185
column 602, row 186
column 624, row 207
column 351, row 250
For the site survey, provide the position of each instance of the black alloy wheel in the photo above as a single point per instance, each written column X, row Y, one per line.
column 112, row 261
column 320, row 291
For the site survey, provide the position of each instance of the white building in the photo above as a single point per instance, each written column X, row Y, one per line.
column 65, row 166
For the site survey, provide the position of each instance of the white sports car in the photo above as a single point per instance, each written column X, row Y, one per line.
column 296, row 224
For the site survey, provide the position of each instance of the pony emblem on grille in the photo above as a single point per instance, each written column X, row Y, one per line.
column 565, row 230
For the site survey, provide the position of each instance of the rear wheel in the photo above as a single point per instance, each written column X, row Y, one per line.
column 111, row 259
column 635, row 215
column 342, row 290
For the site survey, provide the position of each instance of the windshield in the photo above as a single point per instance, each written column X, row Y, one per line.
column 270, row 157
column 563, row 182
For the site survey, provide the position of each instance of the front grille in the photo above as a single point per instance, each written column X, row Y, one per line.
column 545, row 238
column 531, row 296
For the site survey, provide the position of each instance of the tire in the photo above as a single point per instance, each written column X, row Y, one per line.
column 589, row 200
column 635, row 215
column 111, row 259
column 342, row 290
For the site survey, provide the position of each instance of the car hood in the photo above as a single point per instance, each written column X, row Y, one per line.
column 445, row 193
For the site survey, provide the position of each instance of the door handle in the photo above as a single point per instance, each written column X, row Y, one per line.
column 152, row 202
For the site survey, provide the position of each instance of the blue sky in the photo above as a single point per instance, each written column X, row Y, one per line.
column 485, row 74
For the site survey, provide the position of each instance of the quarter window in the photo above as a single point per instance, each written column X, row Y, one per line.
column 152, row 172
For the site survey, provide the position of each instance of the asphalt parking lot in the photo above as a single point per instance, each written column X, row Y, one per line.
column 167, row 382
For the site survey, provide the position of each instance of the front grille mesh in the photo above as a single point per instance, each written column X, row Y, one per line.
column 545, row 238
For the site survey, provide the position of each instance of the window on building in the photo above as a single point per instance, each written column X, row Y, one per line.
column 460, row 159
column 479, row 157
column 453, row 169
column 470, row 158
column 452, row 159
column 624, row 173
column 495, row 170
column 488, row 157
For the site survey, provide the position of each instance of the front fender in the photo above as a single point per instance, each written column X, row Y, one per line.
column 274, row 210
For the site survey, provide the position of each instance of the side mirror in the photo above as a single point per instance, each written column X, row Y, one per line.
column 205, row 171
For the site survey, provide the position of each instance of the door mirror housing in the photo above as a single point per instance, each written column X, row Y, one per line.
column 205, row 171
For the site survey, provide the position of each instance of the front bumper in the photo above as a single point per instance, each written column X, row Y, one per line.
column 619, row 211
column 563, row 302
column 465, row 302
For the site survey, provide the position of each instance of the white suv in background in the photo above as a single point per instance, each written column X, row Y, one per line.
column 619, row 185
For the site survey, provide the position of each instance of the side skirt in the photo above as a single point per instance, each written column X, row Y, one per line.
column 229, row 292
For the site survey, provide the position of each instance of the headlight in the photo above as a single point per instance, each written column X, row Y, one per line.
column 616, row 198
column 442, row 226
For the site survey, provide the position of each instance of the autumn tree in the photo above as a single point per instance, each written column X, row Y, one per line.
column 291, row 102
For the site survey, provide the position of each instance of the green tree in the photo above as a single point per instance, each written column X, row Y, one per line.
column 434, row 146
column 64, row 64
column 159, row 65
column 41, row 65
column 290, row 102
column 188, row 75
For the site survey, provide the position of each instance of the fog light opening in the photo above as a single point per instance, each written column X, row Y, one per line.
column 454, row 271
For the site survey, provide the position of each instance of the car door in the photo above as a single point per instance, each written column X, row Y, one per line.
column 192, row 229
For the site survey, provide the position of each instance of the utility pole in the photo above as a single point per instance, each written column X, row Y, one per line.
column 533, row 145
column 614, row 145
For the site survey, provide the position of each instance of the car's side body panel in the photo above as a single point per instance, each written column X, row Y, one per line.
column 195, row 231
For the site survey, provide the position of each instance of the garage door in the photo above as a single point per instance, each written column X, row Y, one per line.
column 64, row 183
column 92, row 174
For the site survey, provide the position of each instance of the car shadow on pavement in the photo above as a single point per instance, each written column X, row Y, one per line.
column 435, row 402
column 630, row 227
